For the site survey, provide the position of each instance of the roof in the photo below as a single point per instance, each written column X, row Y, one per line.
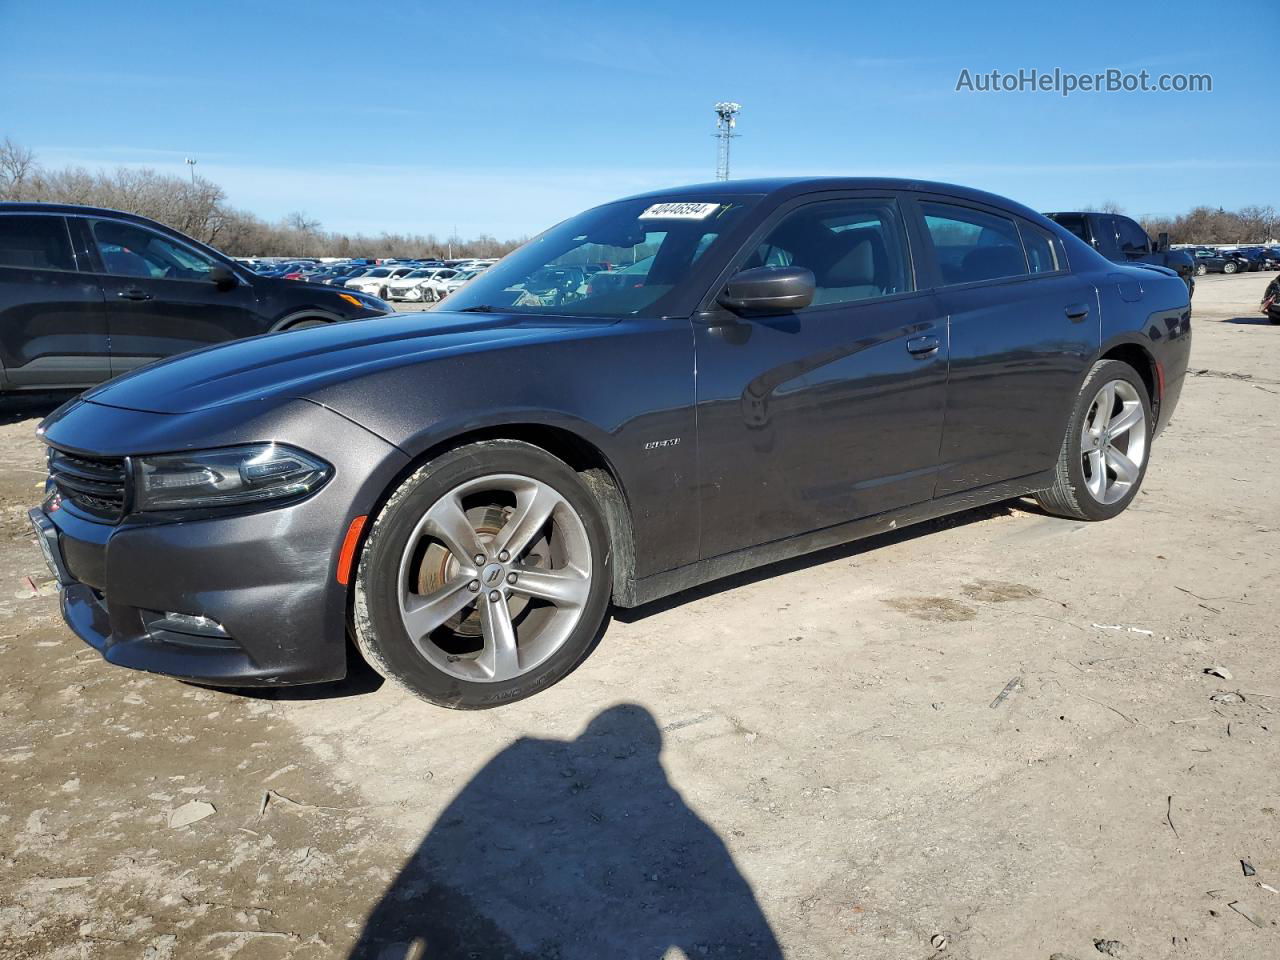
column 795, row 186
column 29, row 207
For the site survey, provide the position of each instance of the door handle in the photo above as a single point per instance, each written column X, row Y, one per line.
column 1077, row 312
column 133, row 293
column 922, row 346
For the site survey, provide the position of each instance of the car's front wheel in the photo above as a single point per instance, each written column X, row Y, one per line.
column 1104, row 453
column 485, row 578
column 1228, row 267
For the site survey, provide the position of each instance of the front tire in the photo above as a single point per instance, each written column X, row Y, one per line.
column 1229, row 268
column 486, row 577
column 1105, row 451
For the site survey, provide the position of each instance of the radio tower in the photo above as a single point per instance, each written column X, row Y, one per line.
column 726, row 120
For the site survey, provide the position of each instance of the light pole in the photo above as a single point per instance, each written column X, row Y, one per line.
column 191, row 162
column 726, row 120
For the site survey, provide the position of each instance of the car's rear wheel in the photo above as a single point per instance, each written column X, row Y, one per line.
column 1104, row 453
column 485, row 578
column 1201, row 269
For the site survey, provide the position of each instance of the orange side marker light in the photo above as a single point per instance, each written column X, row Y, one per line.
column 348, row 552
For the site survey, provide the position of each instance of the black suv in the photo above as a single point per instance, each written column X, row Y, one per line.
column 1210, row 260
column 1122, row 240
column 87, row 294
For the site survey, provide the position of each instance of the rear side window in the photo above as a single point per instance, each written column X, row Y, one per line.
column 1042, row 252
column 35, row 242
column 855, row 249
column 1075, row 223
column 971, row 245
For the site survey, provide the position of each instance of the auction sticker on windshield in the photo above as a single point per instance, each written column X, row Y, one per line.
column 680, row 211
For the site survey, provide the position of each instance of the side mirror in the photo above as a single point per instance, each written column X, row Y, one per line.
column 223, row 278
column 1162, row 243
column 768, row 290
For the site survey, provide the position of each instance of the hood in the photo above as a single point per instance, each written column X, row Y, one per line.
column 297, row 363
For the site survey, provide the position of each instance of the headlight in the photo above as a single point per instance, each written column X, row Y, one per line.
column 230, row 476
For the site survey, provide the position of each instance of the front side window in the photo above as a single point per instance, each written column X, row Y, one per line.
column 971, row 245
column 855, row 248
column 646, row 250
column 35, row 242
column 1134, row 241
column 128, row 250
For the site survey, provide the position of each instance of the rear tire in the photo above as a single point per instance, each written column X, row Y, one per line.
column 468, row 599
column 307, row 324
column 1106, row 449
column 1201, row 269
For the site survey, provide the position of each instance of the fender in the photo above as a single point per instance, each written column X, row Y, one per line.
column 446, row 432
column 579, row 443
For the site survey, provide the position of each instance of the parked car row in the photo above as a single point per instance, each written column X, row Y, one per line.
column 424, row 281
column 1243, row 260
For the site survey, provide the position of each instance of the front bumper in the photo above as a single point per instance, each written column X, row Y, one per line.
column 264, row 579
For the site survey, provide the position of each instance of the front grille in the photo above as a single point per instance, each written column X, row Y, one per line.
column 94, row 484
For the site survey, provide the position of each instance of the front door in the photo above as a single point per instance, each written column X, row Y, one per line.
column 53, row 324
column 830, row 413
column 1023, row 331
column 160, row 300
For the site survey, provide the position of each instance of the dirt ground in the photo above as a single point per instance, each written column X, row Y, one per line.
column 811, row 761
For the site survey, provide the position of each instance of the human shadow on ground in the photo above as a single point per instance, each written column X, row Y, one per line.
column 575, row 850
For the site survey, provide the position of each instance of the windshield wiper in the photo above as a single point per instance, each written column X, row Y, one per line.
column 478, row 308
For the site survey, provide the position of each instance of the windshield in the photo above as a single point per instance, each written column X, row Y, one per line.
column 645, row 248
column 380, row 272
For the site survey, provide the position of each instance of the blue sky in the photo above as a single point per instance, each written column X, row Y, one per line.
column 505, row 117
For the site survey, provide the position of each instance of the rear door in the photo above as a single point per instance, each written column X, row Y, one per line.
column 53, row 324
column 160, row 300
column 830, row 413
column 1023, row 330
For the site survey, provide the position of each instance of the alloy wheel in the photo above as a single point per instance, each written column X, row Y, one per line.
column 494, row 578
column 1113, row 441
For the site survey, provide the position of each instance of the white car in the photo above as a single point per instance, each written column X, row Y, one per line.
column 375, row 281
column 434, row 289
column 454, row 282
column 415, row 285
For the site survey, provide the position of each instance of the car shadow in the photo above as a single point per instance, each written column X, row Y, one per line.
column 574, row 849
column 828, row 555
column 1250, row 321
column 361, row 680
column 16, row 407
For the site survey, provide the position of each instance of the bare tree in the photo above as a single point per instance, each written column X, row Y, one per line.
column 17, row 164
